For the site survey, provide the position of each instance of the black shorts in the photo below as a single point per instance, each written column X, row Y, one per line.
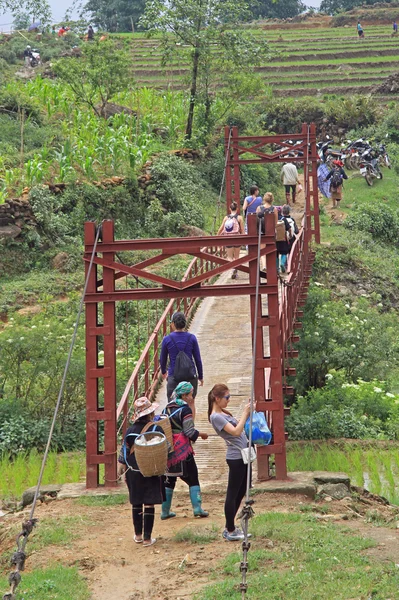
column 287, row 188
column 360, row 32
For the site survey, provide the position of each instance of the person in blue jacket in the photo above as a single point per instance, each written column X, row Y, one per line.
column 180, row 340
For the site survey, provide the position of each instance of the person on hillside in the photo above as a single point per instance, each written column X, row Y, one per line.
column 232, row 431
column 27, row 56
column 265, row 209
column 360, row 31
column 394, row 28
column 336, row 177
column 61, row 31
column 251, row 204
column 232, row 224
column 181, row 462
column 289, row 177
column 179, row 370
column 284, row 246
column 90, row 34
column 144, row 492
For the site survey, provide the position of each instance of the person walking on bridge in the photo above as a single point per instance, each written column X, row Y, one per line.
column 181, row 368
column 251, row 204
column 290, row 179
column 181, row 463
column 266, row 208
column 233, row 224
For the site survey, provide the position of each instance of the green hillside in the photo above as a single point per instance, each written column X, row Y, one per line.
column 305, row 61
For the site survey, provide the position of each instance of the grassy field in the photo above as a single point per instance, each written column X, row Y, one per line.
column 295, row 52
column 23, row 472
column 305, row 560
column 371, row 465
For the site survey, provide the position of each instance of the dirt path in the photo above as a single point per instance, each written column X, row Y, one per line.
column 118, row 569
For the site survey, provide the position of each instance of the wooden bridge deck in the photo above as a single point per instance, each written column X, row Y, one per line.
column 222, row 326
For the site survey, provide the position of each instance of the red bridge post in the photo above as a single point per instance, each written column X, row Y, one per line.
column 100, row 368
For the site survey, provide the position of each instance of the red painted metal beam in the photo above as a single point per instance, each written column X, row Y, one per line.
column 206, row 291
column 173, row 246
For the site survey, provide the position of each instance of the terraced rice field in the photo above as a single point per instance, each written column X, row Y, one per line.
column 309, row 62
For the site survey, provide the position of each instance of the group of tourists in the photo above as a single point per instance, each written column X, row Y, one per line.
column 285, row 225
column 146, row 492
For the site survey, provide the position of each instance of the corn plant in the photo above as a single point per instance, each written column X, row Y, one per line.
column 34, row 171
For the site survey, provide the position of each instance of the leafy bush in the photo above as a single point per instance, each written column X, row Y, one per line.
column 352, row 111
column 13, row 99
column 380, row 221
column 174, row 195
column 350, row 410
column 32, row 357
column 21, row 434
column 266, row 176
column 8, row 55
column 357, row 339
column 284, row 115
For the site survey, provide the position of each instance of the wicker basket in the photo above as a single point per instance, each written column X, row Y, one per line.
column 164, row 422
column 151, row 460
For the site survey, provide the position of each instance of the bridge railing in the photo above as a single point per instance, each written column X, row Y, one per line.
column 146, row 375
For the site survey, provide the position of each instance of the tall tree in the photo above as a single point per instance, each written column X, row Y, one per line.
column 209, row 29
column 114, row 15
column 38, row 10
column 102, row 71
column 278, row 9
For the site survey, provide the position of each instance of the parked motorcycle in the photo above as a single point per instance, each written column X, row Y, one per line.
column 354, row 151
column 369, row 166
column 35, row 58
column 328, row 155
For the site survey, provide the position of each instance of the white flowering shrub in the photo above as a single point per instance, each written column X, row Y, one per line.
column 364, row 409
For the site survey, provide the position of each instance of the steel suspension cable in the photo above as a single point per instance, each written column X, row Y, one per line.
column 216, row 217
column 19, row 557
column 247, row 511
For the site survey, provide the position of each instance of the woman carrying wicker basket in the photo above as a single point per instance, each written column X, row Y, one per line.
column 144, row 492
column 181, row 462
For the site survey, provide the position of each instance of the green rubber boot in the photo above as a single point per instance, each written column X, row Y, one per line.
column 166, row 512
column 195, row 497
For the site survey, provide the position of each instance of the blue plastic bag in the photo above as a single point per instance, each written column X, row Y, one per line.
column 261, row 434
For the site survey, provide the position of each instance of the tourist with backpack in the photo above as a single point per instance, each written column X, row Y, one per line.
column 144, row 492
column 181, row 463
column 233, row 224
column 286, row 230
column 185, row 362
column 336, row 177
column 251, row 204
column 266, row 208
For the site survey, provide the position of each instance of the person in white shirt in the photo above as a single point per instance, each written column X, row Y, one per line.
column 289, row 177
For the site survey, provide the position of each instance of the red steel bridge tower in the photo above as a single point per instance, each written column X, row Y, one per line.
column 105, row 416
